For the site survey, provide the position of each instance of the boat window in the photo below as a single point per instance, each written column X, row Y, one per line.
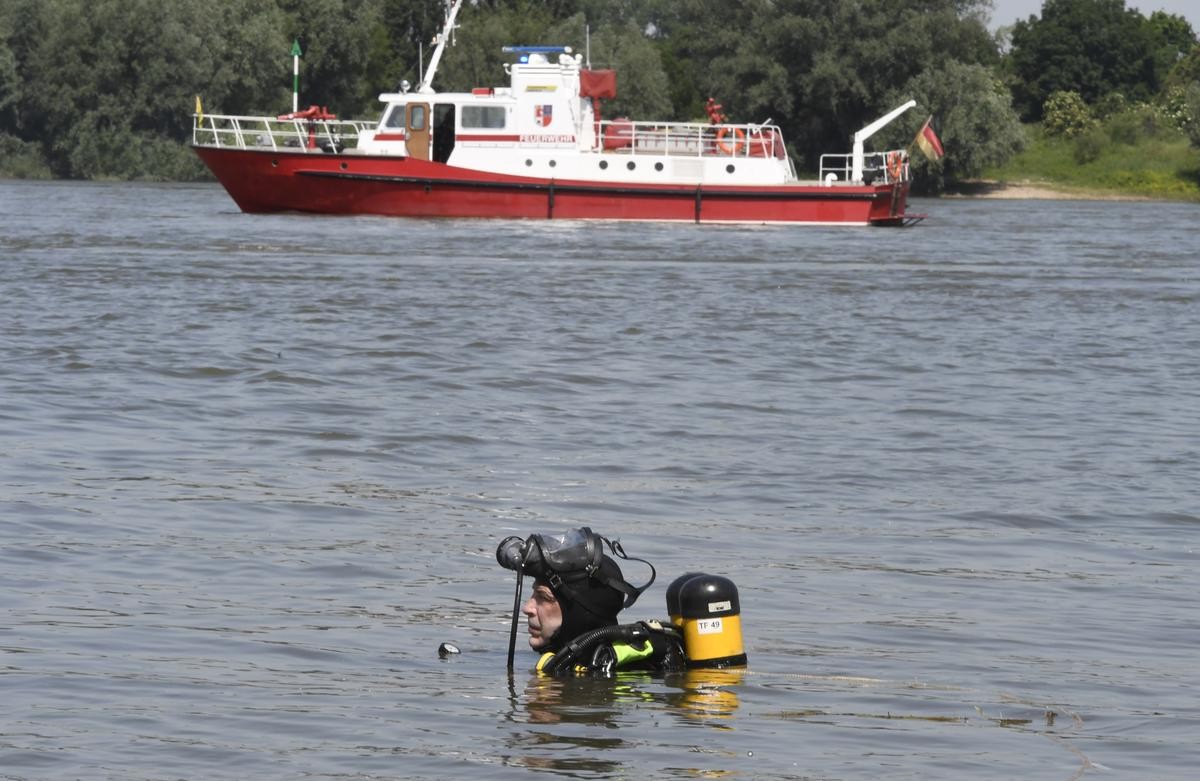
column 416, row 117
column 490, row 117
column 395, row 117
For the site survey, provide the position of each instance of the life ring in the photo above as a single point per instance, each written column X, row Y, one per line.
column 739, row 140
column 895, row 166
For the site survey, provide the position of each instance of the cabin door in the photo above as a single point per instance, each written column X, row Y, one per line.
column 418, row 131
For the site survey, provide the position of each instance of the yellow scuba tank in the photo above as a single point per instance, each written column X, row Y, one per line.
column 707, row 611
column 673, row 610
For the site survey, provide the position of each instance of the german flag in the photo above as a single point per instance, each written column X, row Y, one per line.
column 928, row 141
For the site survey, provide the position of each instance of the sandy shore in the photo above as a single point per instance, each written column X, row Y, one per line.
column 982, row 188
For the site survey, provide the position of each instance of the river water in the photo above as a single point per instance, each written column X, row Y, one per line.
column 253, row 470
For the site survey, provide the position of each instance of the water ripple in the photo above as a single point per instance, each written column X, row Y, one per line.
column 252, row 470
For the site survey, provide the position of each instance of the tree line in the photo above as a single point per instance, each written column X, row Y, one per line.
column 106, row 88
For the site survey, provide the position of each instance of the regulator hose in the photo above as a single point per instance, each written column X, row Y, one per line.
column 564, row 660
column 512, row 633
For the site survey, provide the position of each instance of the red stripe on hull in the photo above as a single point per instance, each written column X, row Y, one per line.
column 400, row 186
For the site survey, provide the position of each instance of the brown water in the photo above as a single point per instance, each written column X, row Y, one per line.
column 253, row 471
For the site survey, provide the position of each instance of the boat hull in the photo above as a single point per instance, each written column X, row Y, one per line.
column 277, row 180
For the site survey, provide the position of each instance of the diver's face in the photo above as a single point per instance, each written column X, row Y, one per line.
column 544, row 615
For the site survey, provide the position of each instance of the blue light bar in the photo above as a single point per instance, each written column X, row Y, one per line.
column 536, row 50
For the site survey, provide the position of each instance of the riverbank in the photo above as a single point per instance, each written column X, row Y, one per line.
column 990, row 188
column 1100, row 166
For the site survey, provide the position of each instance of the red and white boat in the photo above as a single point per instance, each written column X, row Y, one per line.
column 538, row 149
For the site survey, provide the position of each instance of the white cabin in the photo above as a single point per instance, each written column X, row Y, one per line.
column 545, row 126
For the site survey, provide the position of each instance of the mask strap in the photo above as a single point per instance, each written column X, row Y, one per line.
column 631, row 592
column 594, row 551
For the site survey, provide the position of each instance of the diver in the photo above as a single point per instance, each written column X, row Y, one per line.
column 578, row 590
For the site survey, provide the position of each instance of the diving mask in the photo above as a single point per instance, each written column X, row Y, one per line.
column 567, row 558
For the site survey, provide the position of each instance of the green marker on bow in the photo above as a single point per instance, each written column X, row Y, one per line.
column 296, row 55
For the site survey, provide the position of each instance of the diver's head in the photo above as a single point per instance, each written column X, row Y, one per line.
column 559, row 613
column 575, row 584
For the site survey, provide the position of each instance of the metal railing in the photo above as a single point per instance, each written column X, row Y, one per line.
column 680, row 139
column 875, row 167
column 293, row 135
column 690, row 139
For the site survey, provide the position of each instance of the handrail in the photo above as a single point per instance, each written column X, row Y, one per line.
column 619, row 136
column 242, row 132
column 874, row 167
column 690, row 139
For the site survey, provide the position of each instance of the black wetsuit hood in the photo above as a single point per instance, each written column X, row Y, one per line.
column 586, row 602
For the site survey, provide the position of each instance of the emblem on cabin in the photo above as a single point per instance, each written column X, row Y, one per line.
column 543, row 114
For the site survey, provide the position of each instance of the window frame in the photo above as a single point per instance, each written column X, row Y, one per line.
column 487, row 119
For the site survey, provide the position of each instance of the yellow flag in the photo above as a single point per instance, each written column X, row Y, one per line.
column 199, row 111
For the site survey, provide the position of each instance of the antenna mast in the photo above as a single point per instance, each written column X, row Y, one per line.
column 446, row 34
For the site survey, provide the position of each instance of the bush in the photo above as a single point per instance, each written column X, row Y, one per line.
column 21, row 159
column 1065, row 114
column 1110, row 105
column 96, row 150
column 1132, row 125
column 1175, row 108
column 1191, row 108
column 1185, row 71
column 1089, row 145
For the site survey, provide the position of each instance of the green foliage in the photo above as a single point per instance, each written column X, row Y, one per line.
column 10, row 82
column 1110, row 105
column 1165, row 168
column 1089, row 144
column 822, row 70
column 121, row 153
column 626, row 49
column 1191, row 121
column 1181, row 98
column 1172, row 37
column 1094, row 48
column 1136, row 124
column 975, row 121
column 336, row 40
column 1186, row 69
column 1175, row 108
column 106, row 88
column 117, row 78
column 21, row 159
column 1066, row 114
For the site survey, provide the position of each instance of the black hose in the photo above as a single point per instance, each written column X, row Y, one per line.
column 512, row 634
column 565, row 659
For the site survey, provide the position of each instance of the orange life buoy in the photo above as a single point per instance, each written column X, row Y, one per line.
column 895, row 166
column 739, row 140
